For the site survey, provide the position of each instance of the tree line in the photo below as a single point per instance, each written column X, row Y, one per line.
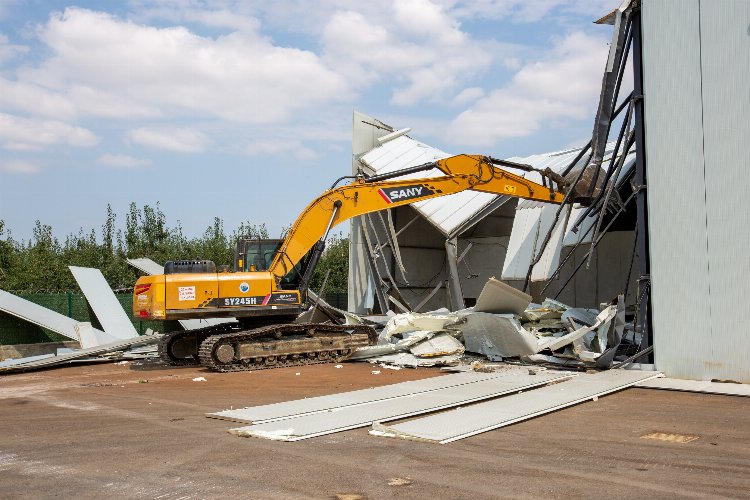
column 41, row 263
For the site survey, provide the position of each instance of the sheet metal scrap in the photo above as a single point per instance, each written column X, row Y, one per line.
column 121, row 345
column 497, row 297
column 415, row 339
column 503, row 324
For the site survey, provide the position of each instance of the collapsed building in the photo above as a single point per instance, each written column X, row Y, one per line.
column 666, row 228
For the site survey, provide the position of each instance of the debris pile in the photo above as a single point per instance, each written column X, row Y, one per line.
column 503, row 324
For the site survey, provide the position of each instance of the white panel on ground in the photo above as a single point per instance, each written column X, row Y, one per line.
column 194, row 324
column 288, row 409
column 118, row 345
column 308, row 426
column 103, row 301
column 464, row 422
column 704, row 386
column 34, row 313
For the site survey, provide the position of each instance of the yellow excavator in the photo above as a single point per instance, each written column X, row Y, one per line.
column 267, row 289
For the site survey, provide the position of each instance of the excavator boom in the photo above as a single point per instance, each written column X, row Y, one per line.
column 367, row 195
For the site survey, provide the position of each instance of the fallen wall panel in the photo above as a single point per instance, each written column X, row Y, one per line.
column 465, row 422
column 119, row 345
column 289, row 409
column 146, row 265
column 102, row 300
column 319, row 424
column 34, row 313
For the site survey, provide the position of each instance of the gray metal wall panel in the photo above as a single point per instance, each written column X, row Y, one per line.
column 676, row 187
column 34, row 313
column 696, row 68
column 471, row 420
column 725, row 58
column 295, row 408
column 103, row 301
column 351, row 417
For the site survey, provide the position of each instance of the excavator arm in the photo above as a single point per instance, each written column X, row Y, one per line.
column 380, row 192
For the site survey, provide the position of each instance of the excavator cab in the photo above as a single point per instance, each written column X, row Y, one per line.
column 256, row 254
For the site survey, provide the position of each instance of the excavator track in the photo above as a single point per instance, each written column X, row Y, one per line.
column 283, row 345
column 180, row 348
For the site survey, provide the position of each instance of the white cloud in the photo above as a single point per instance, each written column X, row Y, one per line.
column 418, row 46
column 34, row 99
column 468, row 95
column 290, row 147
column 564, row 85
column 220, row 14
column 180, row 140
column 8, row 50
column 122, row 161
column 115, row 68
column 30, row 134
column 18, row 167
column 528, row 11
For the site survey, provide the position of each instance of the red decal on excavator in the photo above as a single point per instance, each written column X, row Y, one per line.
column 385, row 197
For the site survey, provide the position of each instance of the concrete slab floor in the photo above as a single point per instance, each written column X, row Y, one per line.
column 139, row 431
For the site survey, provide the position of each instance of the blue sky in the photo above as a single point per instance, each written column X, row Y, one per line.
column 243, row 110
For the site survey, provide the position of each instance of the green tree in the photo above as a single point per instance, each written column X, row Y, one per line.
column 41, row 264
column 335, row 259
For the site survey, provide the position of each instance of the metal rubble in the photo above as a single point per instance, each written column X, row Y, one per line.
column 505, row 325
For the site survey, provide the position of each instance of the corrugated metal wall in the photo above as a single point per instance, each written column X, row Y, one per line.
column 696, row 67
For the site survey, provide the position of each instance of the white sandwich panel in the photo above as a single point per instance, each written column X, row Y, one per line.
column 308, row 426
column 34, row 313
column 103, row 301
column 289, row 409
column 464, row 422
column 725, row 60
column 677, row 214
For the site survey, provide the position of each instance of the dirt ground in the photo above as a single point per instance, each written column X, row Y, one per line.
column 138, row 430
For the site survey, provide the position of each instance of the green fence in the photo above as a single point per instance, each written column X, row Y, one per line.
column 73, row 305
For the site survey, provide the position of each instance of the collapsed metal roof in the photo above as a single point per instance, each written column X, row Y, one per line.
column 450, row 214
column 446, row 213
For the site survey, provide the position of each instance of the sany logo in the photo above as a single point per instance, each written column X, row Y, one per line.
column 244, row 287
column 404, row 193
